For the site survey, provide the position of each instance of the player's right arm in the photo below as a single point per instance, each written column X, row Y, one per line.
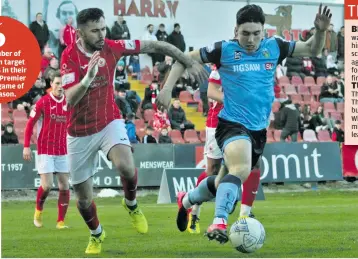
column 35, row 114
column 205, row 55
column 74, row 88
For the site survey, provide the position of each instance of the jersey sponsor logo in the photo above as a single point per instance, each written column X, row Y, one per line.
column 68, row 78
column 238, row 55
column 246, row 67
column 129, row 44
column 59, row 118
column 266, row 53
column 101, row 62
column 269, row 66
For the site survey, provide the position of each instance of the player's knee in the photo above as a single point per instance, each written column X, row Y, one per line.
column 242, row 171
column 126, row 169
column 256, row 166
column 47, row 186
column 84, row 203
column 63, row 185
column 215, row 168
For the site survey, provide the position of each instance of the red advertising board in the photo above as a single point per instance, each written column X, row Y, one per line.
column 350, row 160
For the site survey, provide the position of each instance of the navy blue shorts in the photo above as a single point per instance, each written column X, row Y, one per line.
column 228, row 131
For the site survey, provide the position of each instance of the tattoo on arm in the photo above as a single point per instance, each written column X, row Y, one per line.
column 166, row 49
column 318, row 41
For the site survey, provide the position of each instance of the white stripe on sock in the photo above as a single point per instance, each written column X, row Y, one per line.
column 97, row 231
column 131, row 203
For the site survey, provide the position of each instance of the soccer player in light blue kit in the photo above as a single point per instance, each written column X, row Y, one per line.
column 247, row 67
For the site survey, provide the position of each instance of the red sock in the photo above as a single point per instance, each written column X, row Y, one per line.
column 201, row 177
column 62, row 204
column 130, row 186
column 41, row 198
column 90, row 216
column 250, row 187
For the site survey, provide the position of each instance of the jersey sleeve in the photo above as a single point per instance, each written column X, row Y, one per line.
column 70, row 72
column 215, row 77
column 212, row 53
column 124, row 47
column 35, row 114
column 286, row 48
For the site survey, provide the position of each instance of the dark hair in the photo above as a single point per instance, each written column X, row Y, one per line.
column 63, row 3
column 338, row 122
column 89, row 14
column 161, row 25
column 176, row 25
column 250, row 13
column 55, row 74
column 149, row 128
column 38, row 14
column 149, row 25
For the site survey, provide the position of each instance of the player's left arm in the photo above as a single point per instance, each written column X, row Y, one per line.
column 314, row 46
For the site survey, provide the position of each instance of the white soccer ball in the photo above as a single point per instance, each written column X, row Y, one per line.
column 247, row 235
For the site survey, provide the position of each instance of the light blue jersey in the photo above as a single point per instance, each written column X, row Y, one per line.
column 248, row 79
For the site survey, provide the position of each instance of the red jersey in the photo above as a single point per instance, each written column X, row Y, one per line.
column 97, row 108
column 214, row 106
column 68, row 34
column 214, row 109
column 52, row 113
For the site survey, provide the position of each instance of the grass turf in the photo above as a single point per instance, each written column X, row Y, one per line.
column 311, row 224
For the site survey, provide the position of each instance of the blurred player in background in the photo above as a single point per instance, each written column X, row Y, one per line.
column 214, row 156
column 51, row 112
column 94, row 119
column 247, row 67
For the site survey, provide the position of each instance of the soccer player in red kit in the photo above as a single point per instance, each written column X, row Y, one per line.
column 50, row 111
column 214, row 156
column 95, row 122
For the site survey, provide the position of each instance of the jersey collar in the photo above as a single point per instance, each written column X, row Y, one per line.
column 79, row 46
column 57, row 100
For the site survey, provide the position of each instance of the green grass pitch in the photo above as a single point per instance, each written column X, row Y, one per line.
column 311, row 224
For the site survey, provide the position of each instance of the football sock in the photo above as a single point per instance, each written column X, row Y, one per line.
column 201, row 177
column 196, row 207
column 226, row 196
column 130, row 190
column 196, row 210
column 249, row 191
column 41, row 198
column 205, row 191
column 62, row 204
column 90, row 217
column 97, row 232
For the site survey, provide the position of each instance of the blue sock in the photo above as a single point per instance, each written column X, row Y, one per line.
column 226, row 195
column 205, row 191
